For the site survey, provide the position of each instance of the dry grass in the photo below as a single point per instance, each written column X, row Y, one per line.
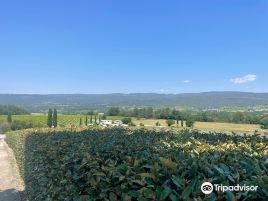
column 150, row 122
column 228, row 127
column 209, row 126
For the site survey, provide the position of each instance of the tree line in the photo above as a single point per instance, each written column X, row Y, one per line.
column 11, row 109
column 190, row 117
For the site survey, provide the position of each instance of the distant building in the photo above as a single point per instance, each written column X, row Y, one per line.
column 106, row 122
column 111, row 123
column 117, row 122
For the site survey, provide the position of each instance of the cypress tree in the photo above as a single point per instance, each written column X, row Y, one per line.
column 99, row 118
column 80, row 122
column 55, row 118
column 86, row 121
column 9, row 118
column 95, row 119
column 49, row 118
column 91, row 121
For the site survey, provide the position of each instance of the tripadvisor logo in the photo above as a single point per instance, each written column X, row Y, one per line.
column 208, row 187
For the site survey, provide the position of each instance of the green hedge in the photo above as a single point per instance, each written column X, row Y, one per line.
column 123, row 164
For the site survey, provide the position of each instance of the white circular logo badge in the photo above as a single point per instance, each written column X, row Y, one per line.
column 207, row 188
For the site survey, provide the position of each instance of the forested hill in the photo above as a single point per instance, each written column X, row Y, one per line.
column 11, row 109
column 37, row 103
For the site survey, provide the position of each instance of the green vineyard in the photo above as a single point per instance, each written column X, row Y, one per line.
column 63, row 120
column 138, row 164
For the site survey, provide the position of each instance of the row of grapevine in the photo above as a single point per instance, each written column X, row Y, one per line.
column 41, row 120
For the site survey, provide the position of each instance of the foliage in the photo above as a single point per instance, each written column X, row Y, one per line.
column 170, row 122
column 167, row 113
column 55, row 118
column 50, row 118
column 40, row 120
column 4, row 127
column 73, row 103
column 264, row 122
column 95, row 119
column 18, row 125
column 157, row 124
column 131, row 124
column 9, row 118
column 90, row 113
column 11, row 109
column 126, row 120
column 139, row 164
column 86, row 121
column 80, row 122
column 113, row 111
column 190, row 122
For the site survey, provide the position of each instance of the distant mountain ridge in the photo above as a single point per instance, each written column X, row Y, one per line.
column 38, row 103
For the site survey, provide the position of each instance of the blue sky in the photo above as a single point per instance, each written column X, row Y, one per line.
column 115, row 46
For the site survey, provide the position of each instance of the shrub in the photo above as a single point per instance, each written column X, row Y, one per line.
column 141, row 124
column 18, row 125
column 131, row 124
column 4, row 127
column 190, row 123
column 137, row 164
column 264, row 123
column 157, row 124
column 9, row 118
column 170, row 122
column 126, row 120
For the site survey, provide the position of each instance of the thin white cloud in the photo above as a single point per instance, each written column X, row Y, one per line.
column 186, row 81
column 242, row 80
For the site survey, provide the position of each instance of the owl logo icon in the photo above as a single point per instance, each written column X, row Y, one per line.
column 207, row 188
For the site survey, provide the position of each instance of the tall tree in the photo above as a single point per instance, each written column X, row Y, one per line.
column 91, row 121
column 55, row 118
column 95, row 119
column 9, row 118
column 80, row 122
column 50, row 118
column 86, row 121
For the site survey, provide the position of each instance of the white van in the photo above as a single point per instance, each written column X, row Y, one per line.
column 106, row 122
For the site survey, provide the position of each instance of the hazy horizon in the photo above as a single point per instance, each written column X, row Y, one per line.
column 132, row 93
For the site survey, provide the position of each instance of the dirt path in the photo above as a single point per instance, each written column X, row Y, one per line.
column 10, row 182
